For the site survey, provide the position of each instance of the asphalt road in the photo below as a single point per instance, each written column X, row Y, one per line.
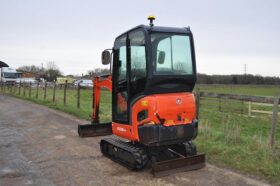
column 40, row 146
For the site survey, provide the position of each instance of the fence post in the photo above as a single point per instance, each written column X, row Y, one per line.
column 197, row 102
column 19, row 88
column 274, row 121
column 29, row 89
column 45, row 90
column 37, row 90
column 64, row 95
column 54, row 89
column 249, row 108
column 23, row 90
column 78, row 95
column 242, row 106
column 220, row 104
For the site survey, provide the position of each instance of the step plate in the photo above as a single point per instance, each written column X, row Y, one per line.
column 165, row 168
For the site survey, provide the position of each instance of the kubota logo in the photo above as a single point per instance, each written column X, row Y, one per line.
column 121, row 129
column 179, row 101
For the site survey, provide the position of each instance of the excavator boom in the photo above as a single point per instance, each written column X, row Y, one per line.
column 96, row 128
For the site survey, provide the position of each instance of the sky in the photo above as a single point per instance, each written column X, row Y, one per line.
column 73, row 33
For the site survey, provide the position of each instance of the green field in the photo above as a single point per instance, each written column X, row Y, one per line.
column 70, row 107
column 229, row 137
column 232, row 139
column 254, row 90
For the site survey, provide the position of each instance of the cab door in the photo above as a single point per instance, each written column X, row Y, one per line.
column 120, row 83
column 129, row 73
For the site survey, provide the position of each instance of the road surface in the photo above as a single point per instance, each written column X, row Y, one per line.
column 40, row 146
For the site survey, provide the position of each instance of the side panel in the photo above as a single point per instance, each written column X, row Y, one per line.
column 123, row 130
column 160, row 119
column 165, row 109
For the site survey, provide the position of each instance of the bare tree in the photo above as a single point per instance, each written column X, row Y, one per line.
column 97, row 72
column 29, row 69
column 52, row 71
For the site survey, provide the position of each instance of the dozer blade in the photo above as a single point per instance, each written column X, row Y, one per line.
column 96, row 129
column 181, row 164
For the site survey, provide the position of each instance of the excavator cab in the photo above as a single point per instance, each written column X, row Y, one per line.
column 153, row 108
column 153, row 66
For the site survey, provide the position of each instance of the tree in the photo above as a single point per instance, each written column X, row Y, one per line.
column 49, row 73
column 52, row 71
column 35, row 70
column 97, row 72
column 29, row 69
column 237, row 79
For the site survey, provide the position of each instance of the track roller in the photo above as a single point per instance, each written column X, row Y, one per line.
column 131, row 156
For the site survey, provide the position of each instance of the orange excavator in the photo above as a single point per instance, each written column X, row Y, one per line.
column 154, row 114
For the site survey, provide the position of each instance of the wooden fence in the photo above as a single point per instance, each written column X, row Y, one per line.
column 259, row 100
column 26, row 90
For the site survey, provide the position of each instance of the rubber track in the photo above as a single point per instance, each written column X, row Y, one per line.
column 138, row 154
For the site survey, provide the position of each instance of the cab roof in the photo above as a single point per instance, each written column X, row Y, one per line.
column 183, row 30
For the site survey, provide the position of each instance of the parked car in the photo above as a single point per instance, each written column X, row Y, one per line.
column 83, row 83
column 26, row 80
column 77, row 82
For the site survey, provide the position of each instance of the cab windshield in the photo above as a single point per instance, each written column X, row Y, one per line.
column 172, row 54
column 11, row 75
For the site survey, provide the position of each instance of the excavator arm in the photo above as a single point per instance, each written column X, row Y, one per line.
column 99, row 82
column 96, row 128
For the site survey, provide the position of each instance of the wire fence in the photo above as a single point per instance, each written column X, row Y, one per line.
column 243, row 104
column 79, row 101
column 76, row 100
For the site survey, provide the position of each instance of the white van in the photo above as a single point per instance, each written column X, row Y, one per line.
column 9, row 75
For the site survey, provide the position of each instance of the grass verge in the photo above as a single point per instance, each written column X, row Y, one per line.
column 228, row 137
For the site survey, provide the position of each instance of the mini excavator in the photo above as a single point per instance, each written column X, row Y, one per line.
column 154, row 113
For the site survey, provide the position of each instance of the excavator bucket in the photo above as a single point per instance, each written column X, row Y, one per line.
column 182, row 164
column 95, row 129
